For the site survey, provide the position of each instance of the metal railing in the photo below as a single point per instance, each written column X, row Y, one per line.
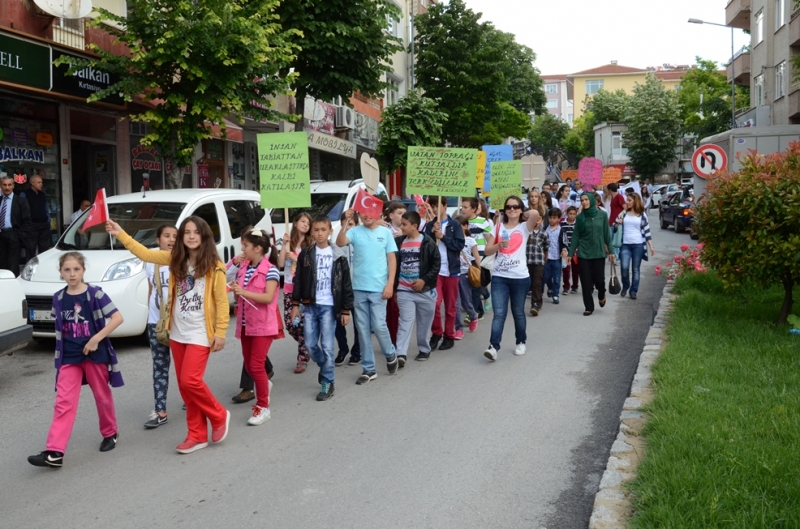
column 70, row 32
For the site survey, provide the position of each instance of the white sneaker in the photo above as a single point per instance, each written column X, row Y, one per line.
column 490, row 353
column 260, row 416
column 520, row 350
column 269, row 399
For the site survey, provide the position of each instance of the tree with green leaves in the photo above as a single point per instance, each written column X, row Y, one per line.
column 604, row 106
column 414, row 121
column 654, row 127
column 547, row 137
column 343, row 47
column 473, row 69
column 196, row 63
column 705, row 98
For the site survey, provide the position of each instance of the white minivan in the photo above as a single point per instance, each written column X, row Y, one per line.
column 116, row 270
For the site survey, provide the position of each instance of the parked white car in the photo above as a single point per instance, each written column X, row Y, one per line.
column 116, row 270
column 327, row 198
column 15, row 333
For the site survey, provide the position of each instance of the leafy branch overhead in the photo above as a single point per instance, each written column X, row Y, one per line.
column 196, row 63
column 414, row 121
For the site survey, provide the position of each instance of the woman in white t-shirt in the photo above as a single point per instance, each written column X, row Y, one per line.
column 510, row 279
column 636, row 240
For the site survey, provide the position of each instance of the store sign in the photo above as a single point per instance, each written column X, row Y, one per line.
column 366, row 131
column 319, row 116
column 83, row 83
column 45, row 139
column 203, row 178
column 140, row 159
column 331, row 144
column 21, row 154
column 24, row 62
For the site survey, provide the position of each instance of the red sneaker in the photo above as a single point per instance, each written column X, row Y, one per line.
column 459, row 334
column 473, row 325
column 189, row 446
column 219, row 434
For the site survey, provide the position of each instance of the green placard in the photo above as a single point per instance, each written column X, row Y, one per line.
column 283, row 170
column 438, row 171
column 506, row 182
column 23, row 62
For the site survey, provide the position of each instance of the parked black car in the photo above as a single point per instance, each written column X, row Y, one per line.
column 676, row 211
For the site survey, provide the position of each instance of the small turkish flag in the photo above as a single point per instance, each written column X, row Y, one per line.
column 368, row 205
column 421, row 206
column 99, row 211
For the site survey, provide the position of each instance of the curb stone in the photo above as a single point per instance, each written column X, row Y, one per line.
column 612, row 503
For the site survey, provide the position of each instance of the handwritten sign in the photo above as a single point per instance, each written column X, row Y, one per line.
column 611, row 174
column 283, row 170
column 495, row 153
column 438, row 171
column 481, row 174
column 506, row 182
column 590, row 171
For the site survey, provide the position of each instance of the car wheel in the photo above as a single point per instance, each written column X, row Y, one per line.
column 694, row 235
column 664, row 225
column 676, row 226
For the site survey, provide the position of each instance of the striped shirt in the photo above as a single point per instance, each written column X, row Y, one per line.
column 409, row 263
column 478, row 228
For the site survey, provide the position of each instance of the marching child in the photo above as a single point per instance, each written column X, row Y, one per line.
column 394, row 216
column 418, row 263
column 322, row 286
column 536, row 254
column 197, row 324
column 158, row 276
column 341, row 330
column 258, row 321
column 293, row 244
column 567, row 227
column 469, row 255
column 85, row 316
column 555, row 248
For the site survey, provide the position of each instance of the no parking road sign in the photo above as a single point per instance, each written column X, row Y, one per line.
column 709, row 159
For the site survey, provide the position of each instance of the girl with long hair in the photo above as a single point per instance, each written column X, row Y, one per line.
column 635, row 240
column 536, row 203
column 199, row 315
column 293, row 243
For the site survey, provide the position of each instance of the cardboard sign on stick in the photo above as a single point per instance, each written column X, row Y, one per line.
column 506, row 182
column 285, row 181
column 495, row 153
column 439, row 171
column 370, row 172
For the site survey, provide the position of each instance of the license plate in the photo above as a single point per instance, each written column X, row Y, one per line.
column 41, row 315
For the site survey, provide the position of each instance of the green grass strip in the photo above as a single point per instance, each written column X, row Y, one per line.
column 723, row 434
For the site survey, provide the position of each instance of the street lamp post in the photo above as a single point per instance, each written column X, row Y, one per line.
column 733, row 68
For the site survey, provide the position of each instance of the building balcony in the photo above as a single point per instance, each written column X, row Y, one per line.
column 741, row 69
column 737, row 14
column 794, row 103
column 794, row 29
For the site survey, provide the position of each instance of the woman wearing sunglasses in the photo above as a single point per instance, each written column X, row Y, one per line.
column 510, row 279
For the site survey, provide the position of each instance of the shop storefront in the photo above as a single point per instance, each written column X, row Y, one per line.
column 330, row 157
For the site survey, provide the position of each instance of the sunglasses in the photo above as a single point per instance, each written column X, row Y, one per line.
column 513, row 206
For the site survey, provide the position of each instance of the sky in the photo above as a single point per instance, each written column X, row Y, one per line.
column 569, row 36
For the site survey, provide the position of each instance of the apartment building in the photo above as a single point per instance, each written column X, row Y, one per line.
column 558, row 102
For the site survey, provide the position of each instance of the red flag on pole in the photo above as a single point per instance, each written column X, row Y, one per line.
column 99, row 211
column 368, row 205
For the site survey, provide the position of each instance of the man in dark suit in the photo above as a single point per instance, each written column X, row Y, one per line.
column 15, row 224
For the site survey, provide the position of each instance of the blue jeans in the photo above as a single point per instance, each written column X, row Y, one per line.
column 319, row 329
column 631, row 258
column 503, row 290
column 370, row 309
column 552, row 275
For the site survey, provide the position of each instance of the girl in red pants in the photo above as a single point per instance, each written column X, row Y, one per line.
column 85, row 316
column 198, row 320
column 258, row 317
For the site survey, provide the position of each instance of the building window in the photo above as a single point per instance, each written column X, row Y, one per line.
column 780, row 80
column 391, row 25
column 552, row 103
column 592, row 87
column 758, row 87
column 618, row 150
column 393, row 92
column 569, row 118
column 677, row 87
column 780, row 14
column 759, row 29
column 551, row 88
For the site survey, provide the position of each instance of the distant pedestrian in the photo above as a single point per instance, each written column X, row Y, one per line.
column 293, row 243
column 555, row 248
column 592, row 240
column 40, row 237
column 85, row 204
column 636, row 239
column 84, row 318
column 15, row 225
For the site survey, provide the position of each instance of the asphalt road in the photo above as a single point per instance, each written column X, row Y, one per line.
column 452, row 442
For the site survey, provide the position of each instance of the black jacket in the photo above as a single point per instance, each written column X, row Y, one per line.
column 305, row 282
column 454, row 242
column 429, row 261
column 21, row 218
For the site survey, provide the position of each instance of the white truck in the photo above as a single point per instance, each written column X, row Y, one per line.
column 15, row 333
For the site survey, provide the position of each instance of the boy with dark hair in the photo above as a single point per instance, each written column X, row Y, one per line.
column 567, row 227
column 323, row 286
column 481, row 230
column 450, row 237
column 536, row 253
column 555, row 248
column 418, row 263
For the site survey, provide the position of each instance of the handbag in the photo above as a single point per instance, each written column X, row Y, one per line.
column 616, row 238
column 474, row 274
column 614, row 287
column 487, row 262
column 162, row 332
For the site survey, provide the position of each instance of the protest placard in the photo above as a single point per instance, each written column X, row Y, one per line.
column 506, row 182
column 283, row 170
column 480, row 177
column 495, row 153
column 590, row 171
column 439, row 171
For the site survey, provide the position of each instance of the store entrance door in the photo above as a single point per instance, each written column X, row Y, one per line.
column 94, row 166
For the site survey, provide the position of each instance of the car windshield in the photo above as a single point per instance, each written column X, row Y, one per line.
column 140, row 220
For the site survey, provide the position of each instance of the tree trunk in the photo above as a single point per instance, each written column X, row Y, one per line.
column 299, row 108
column 788, row 301
column 175, row 177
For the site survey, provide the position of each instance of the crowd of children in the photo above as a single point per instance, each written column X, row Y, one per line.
column 387, row 275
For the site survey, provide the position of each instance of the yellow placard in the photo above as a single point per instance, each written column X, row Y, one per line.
column 480, row 177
